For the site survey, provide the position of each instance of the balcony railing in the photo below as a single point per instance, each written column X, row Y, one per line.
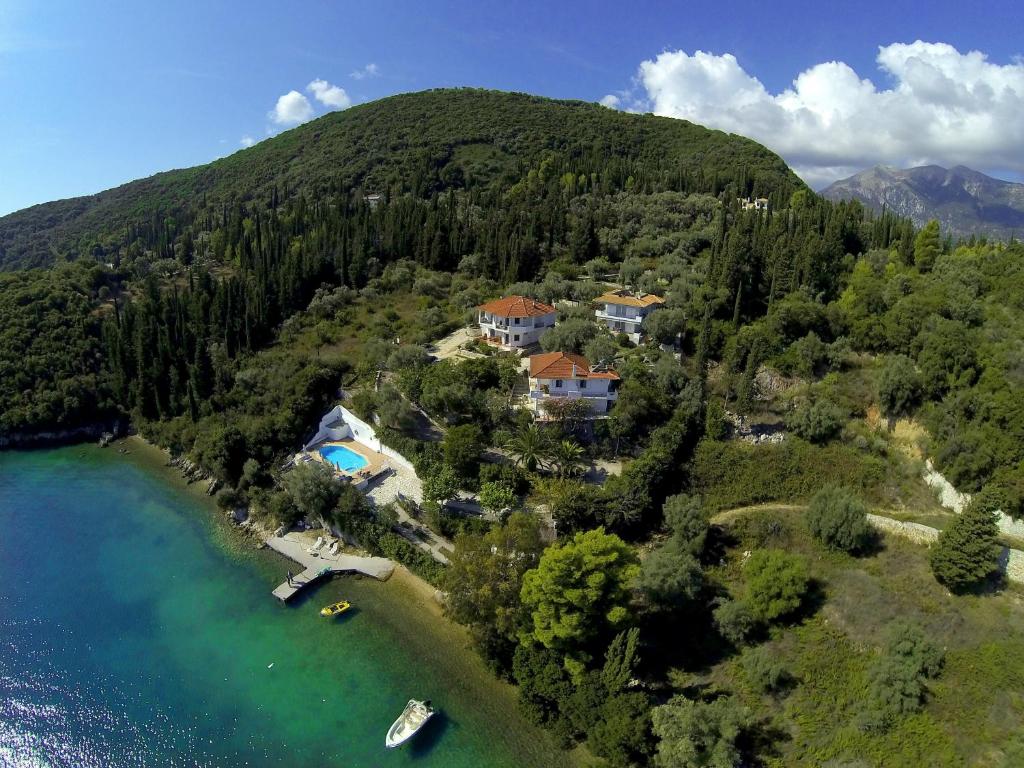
column 614, row 316
column 574, row 394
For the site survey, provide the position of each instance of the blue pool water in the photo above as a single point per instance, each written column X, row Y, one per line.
column 343, row 458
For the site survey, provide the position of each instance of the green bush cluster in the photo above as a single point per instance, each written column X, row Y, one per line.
column 838, row 519
column 733, row 474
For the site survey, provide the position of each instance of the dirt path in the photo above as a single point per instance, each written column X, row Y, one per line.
column 451, row 345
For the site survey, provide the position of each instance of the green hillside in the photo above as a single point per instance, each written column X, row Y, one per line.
column 670, row 624
column 420, row 143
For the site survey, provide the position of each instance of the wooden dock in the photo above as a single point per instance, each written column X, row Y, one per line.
column 317, row 567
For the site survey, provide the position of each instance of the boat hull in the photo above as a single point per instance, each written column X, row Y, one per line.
column 335, row 609
column 409, row 723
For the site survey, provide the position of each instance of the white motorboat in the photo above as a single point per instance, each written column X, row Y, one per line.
column 413, row 717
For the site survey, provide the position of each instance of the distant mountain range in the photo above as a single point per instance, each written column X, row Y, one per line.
column 965, row 202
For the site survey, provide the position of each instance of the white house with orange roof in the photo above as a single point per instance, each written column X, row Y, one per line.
column 515, row 321
column 624, row 311
column 565, row 375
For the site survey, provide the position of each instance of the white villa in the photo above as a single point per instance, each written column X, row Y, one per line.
column 753, row 203
column 624, row 312
column 515, row 321
column 564, row 375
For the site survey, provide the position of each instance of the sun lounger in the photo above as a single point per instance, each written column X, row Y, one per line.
column 335, row 547
column 315, row 549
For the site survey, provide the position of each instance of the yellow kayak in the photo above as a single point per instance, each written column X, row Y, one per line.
column 335, row 609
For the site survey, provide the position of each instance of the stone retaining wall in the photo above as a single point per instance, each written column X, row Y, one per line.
column 953, row 500
column 1011, row 561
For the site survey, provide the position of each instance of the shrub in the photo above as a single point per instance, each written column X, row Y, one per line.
column 228, row 498
column 732, row 474
column 698, row 734
column 763, row 671
column 495, row 497
column 899, row 386
column 463, row 445
column 776, row 583
column 505, row 474
column 838, row 519
column 897, row 678
column 313, row 490
column 816, row 422
column 670, row 576
column 441, row 484
column 688, row 522
column 734, row 620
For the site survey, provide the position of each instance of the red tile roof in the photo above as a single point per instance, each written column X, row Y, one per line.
column 565, row 365
column 517, row 306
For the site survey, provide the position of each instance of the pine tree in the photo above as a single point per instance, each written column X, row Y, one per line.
column 927, row 246
column 966, row 553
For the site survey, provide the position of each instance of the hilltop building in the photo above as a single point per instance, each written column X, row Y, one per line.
column 624, row 312
column 515, row 322
column 753, row 203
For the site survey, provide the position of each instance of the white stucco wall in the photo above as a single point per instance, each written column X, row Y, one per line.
column 355, row 428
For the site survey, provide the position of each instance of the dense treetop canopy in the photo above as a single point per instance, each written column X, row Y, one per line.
column 419, row 143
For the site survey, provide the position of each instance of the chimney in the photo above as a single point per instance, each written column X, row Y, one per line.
column 574, row 370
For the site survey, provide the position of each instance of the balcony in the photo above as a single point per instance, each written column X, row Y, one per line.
column 622, row 318
column 573, row 394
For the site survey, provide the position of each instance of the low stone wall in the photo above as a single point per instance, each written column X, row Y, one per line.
column 953, row 500
column 1011, row 561
column 915, row 532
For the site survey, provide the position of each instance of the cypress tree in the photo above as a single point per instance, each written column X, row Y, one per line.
column 967, row 554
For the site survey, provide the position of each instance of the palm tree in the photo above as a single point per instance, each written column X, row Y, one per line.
column 567, row 457
column 529, row 447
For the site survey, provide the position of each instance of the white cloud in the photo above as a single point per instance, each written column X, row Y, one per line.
column 329, row 95
column 370, row 70
column 291, row 109
column 942, row 106
column 611, row 101
column 247, row 141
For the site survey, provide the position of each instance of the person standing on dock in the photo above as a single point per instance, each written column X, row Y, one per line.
column 289, row 578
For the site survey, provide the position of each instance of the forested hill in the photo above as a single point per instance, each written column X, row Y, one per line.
column 420, row 143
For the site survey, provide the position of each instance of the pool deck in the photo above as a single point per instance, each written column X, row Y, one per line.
column 375, row 462
column 294, row 547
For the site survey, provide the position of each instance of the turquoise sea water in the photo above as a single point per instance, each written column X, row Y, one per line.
column 136, row 629
column 343, row 458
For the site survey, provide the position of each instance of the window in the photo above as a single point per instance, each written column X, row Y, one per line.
column 558, row 383
column 517, row 321
column 583, row 383
column 516, row 337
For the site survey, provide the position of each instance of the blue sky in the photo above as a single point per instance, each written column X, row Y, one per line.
column 95, row 94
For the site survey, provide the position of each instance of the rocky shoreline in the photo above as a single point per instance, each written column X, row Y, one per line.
column 193, row 473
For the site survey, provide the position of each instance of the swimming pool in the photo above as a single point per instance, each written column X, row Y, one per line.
column 343, row 458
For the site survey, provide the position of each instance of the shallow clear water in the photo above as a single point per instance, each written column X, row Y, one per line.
column 136, row 629
column 343, row 458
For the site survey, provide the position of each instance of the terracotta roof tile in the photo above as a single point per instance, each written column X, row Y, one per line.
column 517, row 306
column 565, row 365
column 627, row 299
